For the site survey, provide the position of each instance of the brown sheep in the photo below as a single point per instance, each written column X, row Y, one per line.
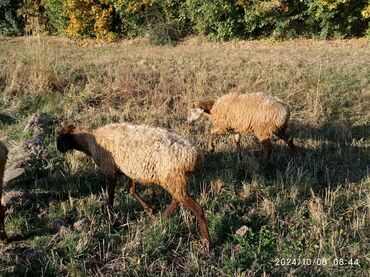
column 146, row 155
column 3, row 158
column 256, row 113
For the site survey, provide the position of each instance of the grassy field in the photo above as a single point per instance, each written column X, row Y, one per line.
column 305, row 217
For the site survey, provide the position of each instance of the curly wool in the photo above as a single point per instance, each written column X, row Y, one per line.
column 255, row 112
column 146, row 154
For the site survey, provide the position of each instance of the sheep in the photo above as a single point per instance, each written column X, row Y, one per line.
column 3, row 158
column 256, row 113
column 147, row 155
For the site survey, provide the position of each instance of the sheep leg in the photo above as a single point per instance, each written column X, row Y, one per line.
column 3, row 237
column 171, row 208
column 237, row 141
column 194, row 206
column 266, row 150
column 111, row 187
column 132, row 190
column 289, row 140
column 211, row 145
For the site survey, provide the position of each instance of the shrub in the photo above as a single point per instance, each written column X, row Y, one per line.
column 218, row 19
column 164, row 21
column 90, row 18
column 32, row 13
column 277, row 18
column 366, row 15
column 55, row 10
column 10, row 22
column 330, row 18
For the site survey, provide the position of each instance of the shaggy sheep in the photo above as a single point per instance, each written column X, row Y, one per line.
column 3, row 158
column 146, row 155
column 256, row 113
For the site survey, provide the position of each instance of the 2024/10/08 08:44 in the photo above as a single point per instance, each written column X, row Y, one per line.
column 318, row 262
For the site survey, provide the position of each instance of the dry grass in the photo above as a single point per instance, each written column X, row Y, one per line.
column 315, row 208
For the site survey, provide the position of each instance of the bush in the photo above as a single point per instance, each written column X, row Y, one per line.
column 10, row 23
column 280, row 19
column 55, row 10
column 218, row 19
column 336, row 18
column 32, row 13
column 90, row 18
column 168, row 21
column 164, row 21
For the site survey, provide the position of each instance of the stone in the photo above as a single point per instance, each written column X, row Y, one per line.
column 242, row 231
column 85, row 222
column 13, row 173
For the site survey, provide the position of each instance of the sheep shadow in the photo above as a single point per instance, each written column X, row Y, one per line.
column 332, row 154
column 6, row 119
column 335, row 153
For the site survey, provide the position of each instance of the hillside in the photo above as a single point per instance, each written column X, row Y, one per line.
column 302, row 217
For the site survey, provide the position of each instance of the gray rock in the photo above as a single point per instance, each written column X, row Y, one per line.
column 13, row 173
column 38, row 124
column 85, row 222
column 15, row 197
column 57, row 225
column 24, row 253
column 242, row 231
column 63, row 231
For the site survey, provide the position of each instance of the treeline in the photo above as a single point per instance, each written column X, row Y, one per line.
column 165, row 21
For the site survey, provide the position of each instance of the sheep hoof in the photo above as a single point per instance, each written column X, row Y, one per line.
column 150, row 210
column 3, row 238
column 202, row 245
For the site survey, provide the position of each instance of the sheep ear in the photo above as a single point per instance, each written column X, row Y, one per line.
column 206, row 105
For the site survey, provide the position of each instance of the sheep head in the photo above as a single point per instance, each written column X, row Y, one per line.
column 65, row 138
column 202, row 107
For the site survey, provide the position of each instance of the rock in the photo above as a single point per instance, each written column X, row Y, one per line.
column 42, row 213
column 242, row 231
column 31, row 149
column 57, row 225
column 85, row 222
column 63, row 231
column 39, row 124
column 13, row 173
column 24, row 253
column 15, row 197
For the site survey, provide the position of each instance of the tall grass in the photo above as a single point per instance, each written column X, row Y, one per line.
column 314, row 209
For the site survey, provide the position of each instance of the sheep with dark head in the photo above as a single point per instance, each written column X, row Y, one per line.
column 147, row 155
column 3, row 158
column 256, row 113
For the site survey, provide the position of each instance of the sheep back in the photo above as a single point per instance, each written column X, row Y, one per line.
column 145, row 154
column 255, row 112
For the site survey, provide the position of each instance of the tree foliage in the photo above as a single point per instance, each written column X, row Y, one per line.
column 170, row 20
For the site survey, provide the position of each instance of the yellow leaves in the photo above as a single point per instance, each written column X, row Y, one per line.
column 89, row 18
column 133, row 6
column 331, row 4
column 240, row 3
column 366, row 12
